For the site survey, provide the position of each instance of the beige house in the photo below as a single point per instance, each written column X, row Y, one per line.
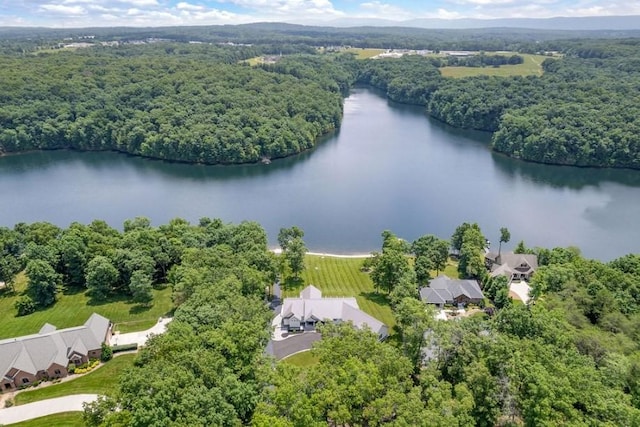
column 515, row 266
column 303, row 313
column 47, row 354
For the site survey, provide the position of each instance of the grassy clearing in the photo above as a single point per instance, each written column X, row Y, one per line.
column 73, row 309
column 103, row 380
column 303, row 360
column 532, row 65
column 341, row 277
column 67, row 419
column 365, row 53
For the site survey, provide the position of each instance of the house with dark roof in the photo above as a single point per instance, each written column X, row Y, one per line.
column 47, row 354
column 443, row 290
column 515, row 266
column 311, row 308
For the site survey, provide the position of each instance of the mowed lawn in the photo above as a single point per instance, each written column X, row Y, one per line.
column 66, row 419
column 365, row 53
column 532, row 65
column 73, row 309
column 303, row 360
column 102, row 380
column 341, row 277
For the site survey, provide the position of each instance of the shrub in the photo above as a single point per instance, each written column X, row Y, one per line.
column 9, row 403
column 25, row 305
column 107, row 353
column 124, row 347
column 71, row 368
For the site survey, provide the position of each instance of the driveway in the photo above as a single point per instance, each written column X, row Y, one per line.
column 140, row 337
column 293, row 344
column 72, row 403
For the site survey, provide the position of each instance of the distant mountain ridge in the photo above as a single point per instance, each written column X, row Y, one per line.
column 630, row 22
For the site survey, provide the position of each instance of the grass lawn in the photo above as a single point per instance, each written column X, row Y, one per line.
column 101, row 381
column 365, row 53
column 532, row 65
column 341, row 277
column 67, row 419
column 304, row 359
column 73, row 309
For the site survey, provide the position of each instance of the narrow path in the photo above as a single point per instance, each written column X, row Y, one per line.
column 72, row 403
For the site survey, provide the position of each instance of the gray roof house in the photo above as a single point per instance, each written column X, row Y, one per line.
column 305, row 312
column 444, row 290
column 26, row 359
column 515, row 266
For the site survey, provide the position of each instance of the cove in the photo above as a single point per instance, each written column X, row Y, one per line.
column 389, row 167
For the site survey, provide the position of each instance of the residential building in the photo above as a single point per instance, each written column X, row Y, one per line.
column 47, row 354
column 443, row 291
column 305, row 312
column 515, row 266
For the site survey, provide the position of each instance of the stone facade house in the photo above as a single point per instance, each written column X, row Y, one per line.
column 47, row 354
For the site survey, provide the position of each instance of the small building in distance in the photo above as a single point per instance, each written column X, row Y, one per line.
column 47, row 354
column 515, row 266
column 446, row 291
column 311, row 308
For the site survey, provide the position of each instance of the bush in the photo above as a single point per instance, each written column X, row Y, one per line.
column 25, row 305
column 71, row 368
column 9, row 403
column 107, row 353
column 124, row 347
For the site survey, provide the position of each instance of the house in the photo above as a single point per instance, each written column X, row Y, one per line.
column 444, row 290
column 305, row 312
column 515, row 266
column 47, row 354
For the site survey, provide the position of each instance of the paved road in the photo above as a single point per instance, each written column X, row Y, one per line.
column 141, row 337
column 71, row 403
column 294, row 344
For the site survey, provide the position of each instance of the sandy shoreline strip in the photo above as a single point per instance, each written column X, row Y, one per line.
column 324, row 254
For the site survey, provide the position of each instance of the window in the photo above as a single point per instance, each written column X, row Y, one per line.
column 25, row 380
column 57, row 372
column 7, row 386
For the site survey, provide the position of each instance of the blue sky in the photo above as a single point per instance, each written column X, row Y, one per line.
column 83, row 13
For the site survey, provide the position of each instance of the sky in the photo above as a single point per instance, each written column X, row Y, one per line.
column 89, row 13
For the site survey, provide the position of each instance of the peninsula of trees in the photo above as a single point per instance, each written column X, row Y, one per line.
column 203, row 103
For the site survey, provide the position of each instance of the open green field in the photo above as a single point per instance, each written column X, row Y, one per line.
column 532, row 65
column 66, row 419
column 102, row 380
column 73, row 309
column 304, row 359
column 341, row 277
column 365, row 53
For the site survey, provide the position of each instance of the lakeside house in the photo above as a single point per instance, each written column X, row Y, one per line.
column 515, row 267
column 310, row 308
column 446, row 291
column 47, row 354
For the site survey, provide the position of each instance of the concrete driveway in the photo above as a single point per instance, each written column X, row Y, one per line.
column 72, row 403
column 140, row 337
column 292, row 344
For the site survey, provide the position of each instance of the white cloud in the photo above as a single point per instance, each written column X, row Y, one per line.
column 63, row 10
column 377, row 9
column 188, row 6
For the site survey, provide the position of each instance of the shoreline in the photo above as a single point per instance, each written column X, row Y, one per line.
column 278, row 251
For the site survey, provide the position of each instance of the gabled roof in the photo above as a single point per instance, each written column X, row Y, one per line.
column 514, row 261
column 442, row 290
column 36, row 352
column 310, row 292
column 311, row 306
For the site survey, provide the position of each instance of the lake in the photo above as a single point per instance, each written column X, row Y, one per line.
column 389, row 167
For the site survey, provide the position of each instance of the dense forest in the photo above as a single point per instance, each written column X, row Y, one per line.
column 203, row 103
column 570, row 357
